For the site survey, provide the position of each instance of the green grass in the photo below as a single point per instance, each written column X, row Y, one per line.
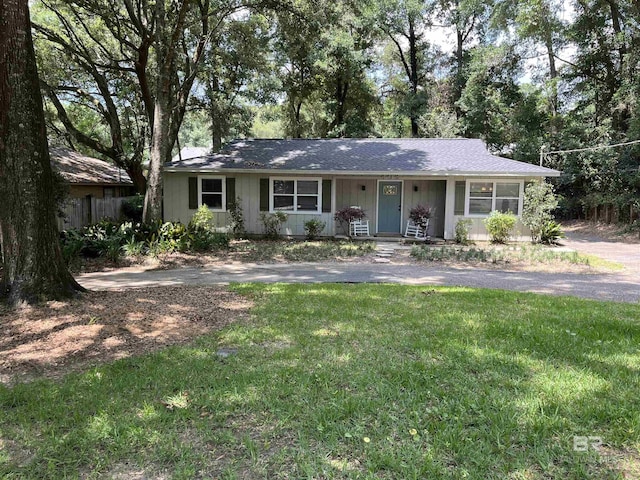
column 533, row 254
column 351, row 381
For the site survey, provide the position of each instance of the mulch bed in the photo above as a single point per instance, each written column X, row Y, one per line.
column 55, row 338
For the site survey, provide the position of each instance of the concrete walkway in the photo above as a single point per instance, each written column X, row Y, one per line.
column 614, row 286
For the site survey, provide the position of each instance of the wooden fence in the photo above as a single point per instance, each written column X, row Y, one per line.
column 78, row 212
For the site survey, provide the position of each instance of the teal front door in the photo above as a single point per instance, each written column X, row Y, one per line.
column 389, row 207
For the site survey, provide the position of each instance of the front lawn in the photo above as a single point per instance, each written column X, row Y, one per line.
column 352, row 381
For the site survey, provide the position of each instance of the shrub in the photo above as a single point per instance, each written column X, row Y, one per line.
column 313, row 228
column 71, row 242
column 202, row 219
column 420, row 215
column 112, row 248
column 551, row 232
column 539, row 203
column 237, row 217
column 132, row 208
column 499, row 226
column 272, row 223
column 133, row 248
column 346, row 215
column 462, row 231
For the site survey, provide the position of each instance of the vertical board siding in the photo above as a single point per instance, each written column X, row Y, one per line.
column 431, row 193
column 349, row 193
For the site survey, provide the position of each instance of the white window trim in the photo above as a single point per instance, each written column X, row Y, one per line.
column 493, row 195
column 295, row 195
column 224, row 191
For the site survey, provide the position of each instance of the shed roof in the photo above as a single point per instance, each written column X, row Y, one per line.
column 426, row 156
column 79, row 169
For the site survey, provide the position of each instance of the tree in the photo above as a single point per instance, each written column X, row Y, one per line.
column 298, row 48
column 490, row 96
column 468, row 18
column 93, row 94
column 404, row 22
column 33, row 267
column 537, row 211
column 235, row 72
column 160, row 46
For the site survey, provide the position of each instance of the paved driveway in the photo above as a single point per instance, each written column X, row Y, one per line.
column 624, row 288
column 627, row 254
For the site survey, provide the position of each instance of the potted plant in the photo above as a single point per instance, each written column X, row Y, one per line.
column 346, row 215
column 420, row 215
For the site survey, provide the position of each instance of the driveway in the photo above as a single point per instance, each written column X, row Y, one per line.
column 628, row 254
column 614, row 286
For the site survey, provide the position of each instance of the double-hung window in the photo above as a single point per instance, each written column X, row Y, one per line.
column 211, row 192
column 296, row 195
column 485, row 196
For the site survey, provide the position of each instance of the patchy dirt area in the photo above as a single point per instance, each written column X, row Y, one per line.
column 59, row 337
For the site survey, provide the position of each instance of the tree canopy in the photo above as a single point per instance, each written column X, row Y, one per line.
column 128, row 80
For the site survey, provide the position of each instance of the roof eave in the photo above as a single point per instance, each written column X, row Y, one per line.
column 350, row 173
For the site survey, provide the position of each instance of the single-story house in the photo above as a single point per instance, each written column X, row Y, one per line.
column 89, row 176
column 312, row 179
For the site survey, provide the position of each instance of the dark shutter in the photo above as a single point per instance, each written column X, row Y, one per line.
column 193, row 193
column 326, row 196
column 231, row 191
column 264, row 194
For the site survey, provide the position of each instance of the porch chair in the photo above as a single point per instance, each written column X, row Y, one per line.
column 415, row 230
column 358, row 227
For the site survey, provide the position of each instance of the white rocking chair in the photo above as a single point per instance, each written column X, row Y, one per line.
column 416, row 231
column 359, row 228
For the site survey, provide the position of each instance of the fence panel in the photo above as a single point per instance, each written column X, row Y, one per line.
column 76, row 213
column 79, row 212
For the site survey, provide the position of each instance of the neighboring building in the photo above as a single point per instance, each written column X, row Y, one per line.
column 89, row 176
column 310, row 179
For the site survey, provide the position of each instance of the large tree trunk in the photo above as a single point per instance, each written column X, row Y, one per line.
column 414, row 78
column 33, row 265
column 152, row 210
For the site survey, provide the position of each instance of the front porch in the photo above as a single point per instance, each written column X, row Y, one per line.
column 387, row 202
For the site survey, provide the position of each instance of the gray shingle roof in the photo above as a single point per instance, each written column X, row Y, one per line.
column 350, row 156
column 77, row 169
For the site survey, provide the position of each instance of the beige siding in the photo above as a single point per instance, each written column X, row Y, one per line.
column 176, row 200
column 176, row 205
column 349, row 193
column 431, row 193
column 437, row 193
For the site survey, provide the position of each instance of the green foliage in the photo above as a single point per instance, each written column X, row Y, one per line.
column 272, row 223
column 420, row 214
column 551, row 232
column 202, row 219
column 528, row 255
column 111, row 240
column 537, row 212
column 346, row 215
column 237, row 217
column 132, row 208
column 462, row 231
column 500, row 225
column 313, row 228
